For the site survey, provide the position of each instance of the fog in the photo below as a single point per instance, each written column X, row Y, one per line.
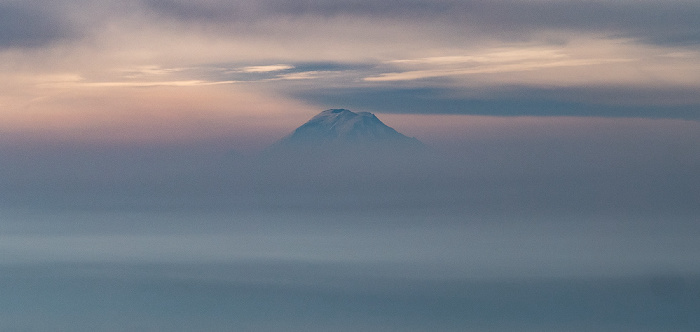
column 558, row 188
column 551, row 208
column 496, row 234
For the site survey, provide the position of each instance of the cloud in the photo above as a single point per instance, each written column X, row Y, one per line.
column 666, row 23
column 125, row 84
column 512, row 101
column 474, row 67
column 669, row 23
column 582, row 61
column 266, row 68
column 154, row 83
column 149, row 70
column 26, row 26
column 515, row 167
column 459, row 55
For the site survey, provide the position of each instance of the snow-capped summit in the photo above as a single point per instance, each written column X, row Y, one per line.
column 338, row 142
column 344, row 127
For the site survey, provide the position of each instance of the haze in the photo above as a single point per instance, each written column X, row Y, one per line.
column 558, row 189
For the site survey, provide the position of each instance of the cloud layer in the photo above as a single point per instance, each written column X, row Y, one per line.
column 562, row 144
column 468, row 57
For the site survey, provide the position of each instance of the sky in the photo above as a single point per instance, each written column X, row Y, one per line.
column 249, row 72
column 538, row 109
column 563, row 163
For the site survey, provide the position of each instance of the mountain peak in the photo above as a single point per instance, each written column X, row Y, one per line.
column 335, row 110
column 335, row 127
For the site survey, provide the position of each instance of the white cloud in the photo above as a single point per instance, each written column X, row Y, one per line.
column 493, row 56
column 581, row 61
column 266, row 69
column 487, row 69
column 132, row 84
column 149, row 70
column 156, row 83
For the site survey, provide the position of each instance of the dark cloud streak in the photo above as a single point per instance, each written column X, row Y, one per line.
column 664, row 23
column 502, row 102
column 671, row 23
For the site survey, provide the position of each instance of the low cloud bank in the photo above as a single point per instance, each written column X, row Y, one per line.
column 550, row 178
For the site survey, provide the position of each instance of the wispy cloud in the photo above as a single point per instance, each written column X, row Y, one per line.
column 124, row 84
column 516, row 59
column 266, row 69
column 157, row 83
column 493, row 49
column 505, row 55
column 149, row 70
column 479, row 68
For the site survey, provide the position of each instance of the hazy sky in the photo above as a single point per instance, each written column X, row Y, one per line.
column 541, row 106
column 563, row 135
column 247, row 72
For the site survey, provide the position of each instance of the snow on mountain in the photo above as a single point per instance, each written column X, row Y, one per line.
column 344, row 149
column 341, row 127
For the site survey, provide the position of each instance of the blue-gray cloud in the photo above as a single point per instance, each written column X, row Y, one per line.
column 26, row 26
column 503, row 102
column 668, row 23
column 665, row 23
